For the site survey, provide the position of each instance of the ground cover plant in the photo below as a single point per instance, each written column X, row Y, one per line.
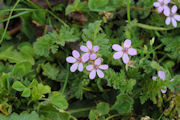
column 89, row 59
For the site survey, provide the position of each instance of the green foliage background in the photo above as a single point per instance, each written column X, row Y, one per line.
column 35, row 81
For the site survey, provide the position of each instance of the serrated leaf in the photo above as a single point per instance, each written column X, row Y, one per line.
column 22, row 116
column 77, row 5
column 18, row 86
column 46, row 44
column 103, row 108
column 68, row 35
column 50, row 71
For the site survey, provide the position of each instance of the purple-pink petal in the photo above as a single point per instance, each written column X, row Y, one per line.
column 117, row 47
column 160, row 0
column 92, row 74
column 118, row 55
column 168, row 20
column 80, row 67
column 100, row 73
column 89, row 67
column 93, row 56
column 125, row 58
column 163, row 91
column 156, row 4
column 76, row 54
column 103, row 67
column 154, row 78
column 174, row 9
column 160, row 9
column 127, row 43
column 166, row 1
column 167, row 11
column 74, row 67
column 85, row 57
column 132, row 51
column 95, row 48
column 174, row 22
column 177, row 17
column 89, row 44
column 97, row 61
column 84, row 49
column 70, row 59
column 161, row 75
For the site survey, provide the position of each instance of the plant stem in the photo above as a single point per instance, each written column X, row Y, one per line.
column 58, row 18
column 128, row 11
column 112, row 116
column 80, row 110
column 149, row 27
column 66, row 80
column 5, row 30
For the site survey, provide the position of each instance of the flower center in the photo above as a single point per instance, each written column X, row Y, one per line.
column 95, row 67
column 171, row 15
column 125, row 50
column 90, row 51
column 79, row 60
column 162, row 3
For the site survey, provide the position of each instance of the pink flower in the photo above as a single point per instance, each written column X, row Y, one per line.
column 96, row 68
column 90, row 51
column 161, row 75
column 162, row 5
column 124, row 51
column 172, row 16
column 76, row 59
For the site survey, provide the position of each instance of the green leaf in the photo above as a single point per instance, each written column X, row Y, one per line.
column 68, row 35
column 21, row 69
column 104, row 5
column 46, row 44
column 123, row 104
column 18, row 86
column 39, row 91
column 103, row 108
column 7, row 52
column 172, row 46
column 26, row 92
column 93, row 115
column 50, row 71
column 58, row 99
column 33, row 83
column 76, row 6
column 50, row 113
column 22, row 116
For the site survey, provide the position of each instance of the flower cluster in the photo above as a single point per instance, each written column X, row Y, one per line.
column 89, row 56
column 124, row 51
column 162, row 76
column 162, row 6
